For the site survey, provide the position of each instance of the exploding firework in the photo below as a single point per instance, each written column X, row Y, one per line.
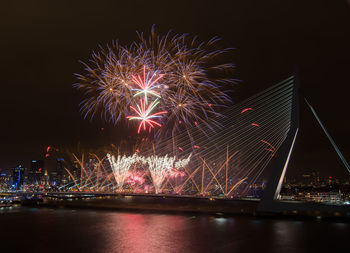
column 121, row 167
column 146, row 85
column 135, row 178
column 175, row 173
column 159, row 167
column 183, row 162
column 183, row 74
column 144, row 114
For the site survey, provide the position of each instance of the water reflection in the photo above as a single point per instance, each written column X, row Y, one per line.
column 147, row 233
column 220, row 220
column 63, row 230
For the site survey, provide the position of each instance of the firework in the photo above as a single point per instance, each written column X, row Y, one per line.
column 185, row 75
column 146, row 84
column 121, row 167
column 183, row 162
column 175, row 173
column 144, row 114
column 162, row 166
column 135, row 178
column 159, row 167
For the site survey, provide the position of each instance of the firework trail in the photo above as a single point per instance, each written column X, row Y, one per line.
column 159, row 167
column 121, row 167
column 162, row 166
column 183, row 162
column 135, row 178
column 175, row 173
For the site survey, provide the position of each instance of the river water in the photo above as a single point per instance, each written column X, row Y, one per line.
column 66, row 230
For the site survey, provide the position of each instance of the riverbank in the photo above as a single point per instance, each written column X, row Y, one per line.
column 175, row 204
column 158, row 204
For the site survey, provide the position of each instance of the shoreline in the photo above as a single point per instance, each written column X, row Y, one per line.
column 174, row 205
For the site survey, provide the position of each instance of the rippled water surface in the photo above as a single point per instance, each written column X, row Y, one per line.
column 64, row 230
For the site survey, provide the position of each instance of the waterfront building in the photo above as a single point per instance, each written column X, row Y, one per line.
column 17, row 178
column 36, row 172
column 5, row 179
column 57, row 173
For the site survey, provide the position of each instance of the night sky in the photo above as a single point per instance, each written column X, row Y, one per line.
column 42, row 42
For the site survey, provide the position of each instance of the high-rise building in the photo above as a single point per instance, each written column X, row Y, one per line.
column 17, row 179
column 36, row 172
column 46, row 178
column 5, row 179
column 76, row 171
column 57, row 173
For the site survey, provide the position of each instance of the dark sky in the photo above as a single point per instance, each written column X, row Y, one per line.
column 42, row 41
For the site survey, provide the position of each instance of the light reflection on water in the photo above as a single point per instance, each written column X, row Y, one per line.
column 64, row 230
column 146, row 233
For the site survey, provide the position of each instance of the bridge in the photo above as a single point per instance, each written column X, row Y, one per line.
column 255, row 136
